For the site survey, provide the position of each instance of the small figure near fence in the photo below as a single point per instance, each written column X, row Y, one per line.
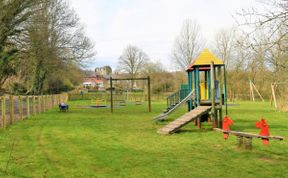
column 63, row 107
column 263, row 125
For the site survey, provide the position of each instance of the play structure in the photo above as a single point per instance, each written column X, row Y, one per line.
column 204, row 94
column 123, row 102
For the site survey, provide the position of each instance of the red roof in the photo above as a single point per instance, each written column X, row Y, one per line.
column 92, row 80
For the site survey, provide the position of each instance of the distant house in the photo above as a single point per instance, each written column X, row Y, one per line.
column 93, row 82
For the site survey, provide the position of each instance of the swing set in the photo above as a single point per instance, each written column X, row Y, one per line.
column 130, row 79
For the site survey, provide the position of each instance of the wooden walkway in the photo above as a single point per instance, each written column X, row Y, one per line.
column 183, row 120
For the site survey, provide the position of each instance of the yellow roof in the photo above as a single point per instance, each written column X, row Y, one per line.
column 205, row 58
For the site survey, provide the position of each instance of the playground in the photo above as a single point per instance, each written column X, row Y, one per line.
column 198, row 134
column 89, row 142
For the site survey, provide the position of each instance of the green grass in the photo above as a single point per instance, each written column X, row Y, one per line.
column 96, row 143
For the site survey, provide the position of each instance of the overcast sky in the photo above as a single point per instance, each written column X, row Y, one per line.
column 152, row 25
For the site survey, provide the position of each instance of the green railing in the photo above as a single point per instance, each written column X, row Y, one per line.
column 176, row 97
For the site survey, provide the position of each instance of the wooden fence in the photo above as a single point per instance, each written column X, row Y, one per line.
column 15, row 108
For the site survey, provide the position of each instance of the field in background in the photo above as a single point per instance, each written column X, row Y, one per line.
column 87, row 142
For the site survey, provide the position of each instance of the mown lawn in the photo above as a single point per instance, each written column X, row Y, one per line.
column 96, row 143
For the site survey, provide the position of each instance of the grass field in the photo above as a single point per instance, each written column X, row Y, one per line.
column 96, row 143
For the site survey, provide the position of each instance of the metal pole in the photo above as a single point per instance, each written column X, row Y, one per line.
column 111, row 94
column 213, row 112
column 220, row 85
column 225, row 79
column 149, row 95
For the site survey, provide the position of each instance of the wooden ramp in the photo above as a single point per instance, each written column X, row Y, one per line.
column 183, row 120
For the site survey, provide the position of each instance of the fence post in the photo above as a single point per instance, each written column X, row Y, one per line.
column 34, row 105
column 39, row 104
column 42, row 103
column 51, row 104
column 11, row 98
column 47, row 102
column 3, row 103
column 52, row 100
column 20, row 107
column 28, row 106
column 58, row 98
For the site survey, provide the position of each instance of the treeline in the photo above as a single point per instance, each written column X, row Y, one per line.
column 255, row 50
column 41, row 46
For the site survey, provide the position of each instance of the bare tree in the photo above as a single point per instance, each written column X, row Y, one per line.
column 273, row 18
column 187, row 45
column 132, row 61
column 224, row 45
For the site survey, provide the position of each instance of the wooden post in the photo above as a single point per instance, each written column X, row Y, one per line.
column 58, row 98
column 50, row 102
column 11, row 98
column 3, row 103
column 20, row 107
column 258, row 92
column 34, row 105
column 111, row 94
column 213, row 93
column 53, row 100
column 248, row 143
column 39, row 104
column 199, row 122
column 274, row 96
column 28, row 106
column 239, row 141
column 252, row 91
column 42, row 103
column 46, row 102
column 149, row 95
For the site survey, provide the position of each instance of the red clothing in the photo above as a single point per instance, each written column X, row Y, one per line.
column 263, row 125
column 226, row 123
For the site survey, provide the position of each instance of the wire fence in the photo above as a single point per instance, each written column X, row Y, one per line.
column 15, row 108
